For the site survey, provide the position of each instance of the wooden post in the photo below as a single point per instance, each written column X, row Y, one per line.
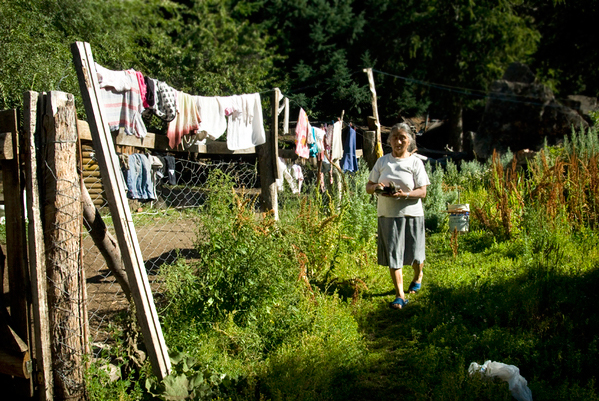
column 62, row 214
column 33, row 103
column 18, row 279
column 375, row 111
column 369, row 148
column 268, row 163
column 114, row 185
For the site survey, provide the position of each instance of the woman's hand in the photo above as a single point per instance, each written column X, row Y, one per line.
column 373, row 186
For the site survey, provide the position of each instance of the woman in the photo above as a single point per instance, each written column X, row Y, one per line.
column 400, row 180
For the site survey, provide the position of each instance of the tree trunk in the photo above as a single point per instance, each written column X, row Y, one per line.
column 456, row 131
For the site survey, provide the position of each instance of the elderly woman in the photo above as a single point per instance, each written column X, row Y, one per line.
column 400, row 180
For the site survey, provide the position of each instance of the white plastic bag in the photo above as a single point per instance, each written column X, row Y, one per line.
column 509, row 373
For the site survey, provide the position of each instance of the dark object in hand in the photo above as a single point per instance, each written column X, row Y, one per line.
column 389, row 190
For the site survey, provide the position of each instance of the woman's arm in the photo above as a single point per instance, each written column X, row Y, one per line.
column 416, row 193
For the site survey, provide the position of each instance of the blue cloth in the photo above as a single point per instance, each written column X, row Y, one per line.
column 170, row 166
column 312, row 147
column 349, row 161
column 139, row 178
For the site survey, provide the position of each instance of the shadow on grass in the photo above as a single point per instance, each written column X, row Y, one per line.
column 544, row 322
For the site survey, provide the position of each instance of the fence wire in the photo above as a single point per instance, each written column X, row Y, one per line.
column 166, row 230
column 64, row 279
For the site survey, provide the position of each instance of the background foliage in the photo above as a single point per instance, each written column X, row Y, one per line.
column 313, row 49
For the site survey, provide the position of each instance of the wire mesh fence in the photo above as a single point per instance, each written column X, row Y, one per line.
column 166, row 229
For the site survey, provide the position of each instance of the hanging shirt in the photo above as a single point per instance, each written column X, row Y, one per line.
column 407, row 174
column 245, row 125
column 349, row 162
column 212, row 117
column 120, row 101
column 301, row 135
column 186, row 122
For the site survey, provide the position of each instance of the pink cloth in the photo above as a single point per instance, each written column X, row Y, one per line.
column 143, row 89
column 187, row 120
column 301, row 135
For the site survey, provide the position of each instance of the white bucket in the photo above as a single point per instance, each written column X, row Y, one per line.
column 459, row 216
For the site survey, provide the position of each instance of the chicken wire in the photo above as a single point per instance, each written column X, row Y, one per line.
column 166, row 230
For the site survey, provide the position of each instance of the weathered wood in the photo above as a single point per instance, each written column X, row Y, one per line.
column 267, row 162
column 14, row 364
column 33, row 103
column 18, row 277
column 6, row 146
column 123, row 223
column 369, row 148
column 105, row 242
column 62, row 213
column 375, row 111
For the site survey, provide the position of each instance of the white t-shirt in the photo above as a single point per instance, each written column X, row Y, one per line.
column 406, row 174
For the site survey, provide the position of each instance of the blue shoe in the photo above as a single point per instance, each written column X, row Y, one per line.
column 414, row 287
column 398, row 303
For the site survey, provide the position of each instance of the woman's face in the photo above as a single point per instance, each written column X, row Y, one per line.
column 400, row 140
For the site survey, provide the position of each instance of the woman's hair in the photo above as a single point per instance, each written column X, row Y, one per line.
column 405, row 128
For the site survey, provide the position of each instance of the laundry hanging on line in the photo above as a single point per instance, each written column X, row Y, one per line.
column 127, row 95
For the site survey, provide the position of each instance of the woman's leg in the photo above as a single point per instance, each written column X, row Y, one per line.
column 397, row 277
column 417, row 274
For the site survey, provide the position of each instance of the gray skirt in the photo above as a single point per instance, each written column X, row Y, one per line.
column 400, row 241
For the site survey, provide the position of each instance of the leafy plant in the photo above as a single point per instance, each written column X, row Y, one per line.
column 189, row 380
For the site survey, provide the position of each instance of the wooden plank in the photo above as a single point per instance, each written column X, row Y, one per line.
column 6, row 146
column 160, row 142
column 119, row 207
column 37, row 260
column 63, row 223
column 18, row 277
column 267, row 161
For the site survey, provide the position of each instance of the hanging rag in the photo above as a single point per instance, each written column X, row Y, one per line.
column 298, row 175
column 120, row 101
column 212, row 117
column 170, row 168
column 301, row 135
column 337, row 142
column 186, row 122
column 143, row 88
column 166, row 102
column 245, row 125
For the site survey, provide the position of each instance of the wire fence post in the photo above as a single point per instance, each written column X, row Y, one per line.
column 63, row 221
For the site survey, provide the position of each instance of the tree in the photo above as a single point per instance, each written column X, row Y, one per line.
column 566, row 58
column 458, row 44
column 196, row 47
column 319, row 66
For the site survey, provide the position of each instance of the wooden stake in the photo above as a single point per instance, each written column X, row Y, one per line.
column 267, row 160
column 37, row 260
column 375, row 111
